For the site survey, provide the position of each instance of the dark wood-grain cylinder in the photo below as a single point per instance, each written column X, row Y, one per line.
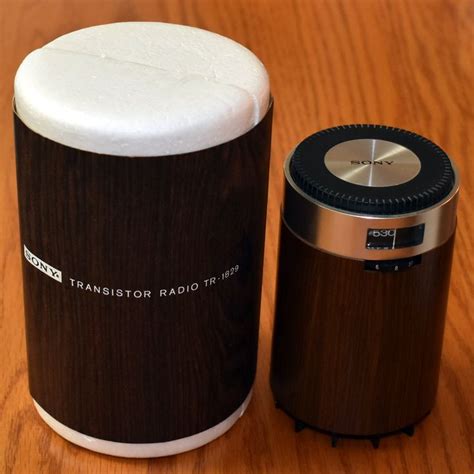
column 366, row 242
column 142, row 367
column 358, row 352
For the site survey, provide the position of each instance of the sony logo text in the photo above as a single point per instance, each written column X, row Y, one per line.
column 42, row 266
column 370, row 162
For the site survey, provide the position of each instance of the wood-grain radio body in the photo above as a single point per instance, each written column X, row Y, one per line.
column 174, row 352
column 363, row 279
column 358, row 352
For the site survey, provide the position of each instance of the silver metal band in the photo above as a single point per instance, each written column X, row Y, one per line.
column 345, row 234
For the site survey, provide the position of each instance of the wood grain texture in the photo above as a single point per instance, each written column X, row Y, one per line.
column 406, row 63
column 137, row 344
column 357, row 352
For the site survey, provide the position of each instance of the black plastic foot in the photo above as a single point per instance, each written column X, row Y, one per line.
column 375, row 442
column 299, row 426
column 335, row 437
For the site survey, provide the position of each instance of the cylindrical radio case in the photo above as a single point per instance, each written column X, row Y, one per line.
column 142, row 269
column 367, row 235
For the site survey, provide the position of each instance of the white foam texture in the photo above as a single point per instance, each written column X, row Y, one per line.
column 143, row 450
column 141, row 89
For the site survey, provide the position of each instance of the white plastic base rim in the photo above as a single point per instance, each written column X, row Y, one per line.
column 143, row 450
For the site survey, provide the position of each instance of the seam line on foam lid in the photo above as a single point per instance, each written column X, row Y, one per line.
column 256, row 107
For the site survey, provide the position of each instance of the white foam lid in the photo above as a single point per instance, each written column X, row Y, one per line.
column 141, row 89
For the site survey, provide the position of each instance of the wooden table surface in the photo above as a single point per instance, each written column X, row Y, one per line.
column 405, row 63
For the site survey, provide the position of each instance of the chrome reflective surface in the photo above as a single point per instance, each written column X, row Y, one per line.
column 345, row 234
column 372, row 162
